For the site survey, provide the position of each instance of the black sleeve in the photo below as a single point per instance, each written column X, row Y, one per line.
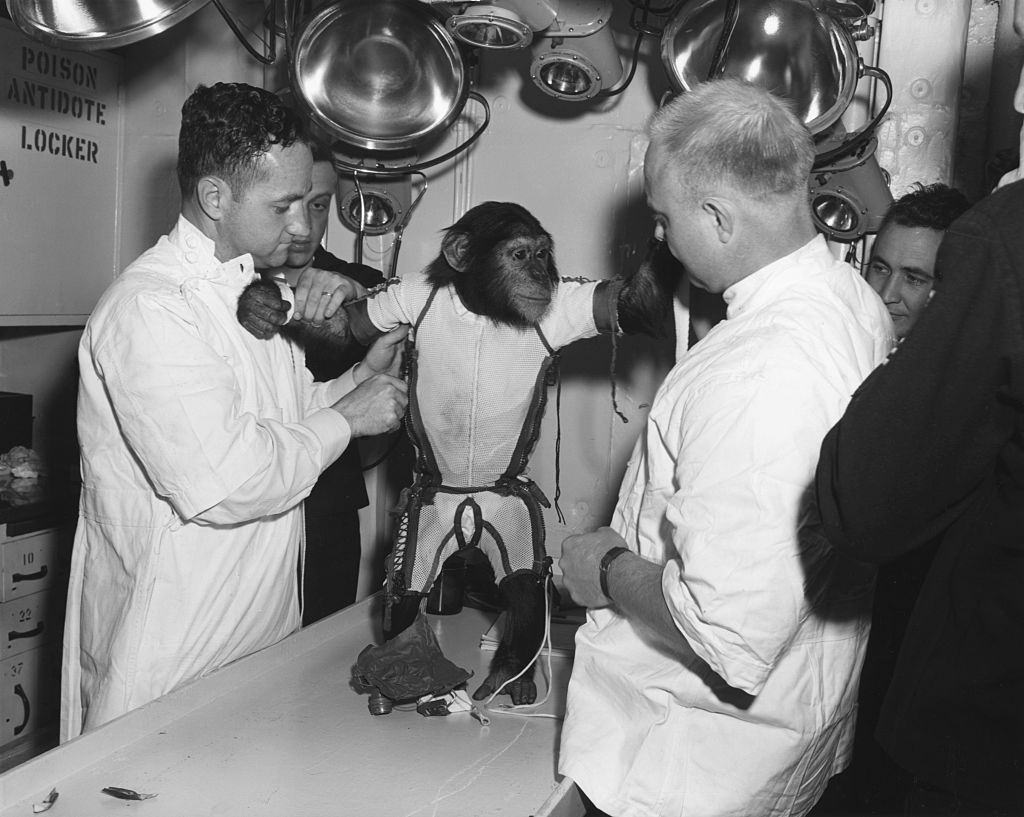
column 921, row 436
column 324, row 361
column 365, row 275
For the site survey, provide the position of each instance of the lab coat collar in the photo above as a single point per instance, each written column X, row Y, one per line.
column 200, row 261
column 765, row 285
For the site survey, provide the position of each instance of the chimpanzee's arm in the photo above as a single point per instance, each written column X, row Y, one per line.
column 263, row 312
column 644, row 301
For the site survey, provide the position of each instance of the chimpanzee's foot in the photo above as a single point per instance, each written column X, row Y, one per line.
column 523, row 690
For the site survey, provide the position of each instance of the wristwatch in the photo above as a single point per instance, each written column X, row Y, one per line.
column 606, row 562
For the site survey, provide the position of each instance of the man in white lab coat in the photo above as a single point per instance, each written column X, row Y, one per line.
column 199, row 441
column 717, row 671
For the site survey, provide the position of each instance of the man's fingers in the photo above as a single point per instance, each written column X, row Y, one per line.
column 320, row 293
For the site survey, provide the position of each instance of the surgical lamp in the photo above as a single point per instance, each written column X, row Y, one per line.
column 88, row 25
column 374, row 205
column 578, row 58
column 803, row 51
column 850, row 196
column 502, row 24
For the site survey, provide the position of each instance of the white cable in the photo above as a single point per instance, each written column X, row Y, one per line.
column 516, row 709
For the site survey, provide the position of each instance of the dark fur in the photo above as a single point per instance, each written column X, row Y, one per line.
column 645, row 300
column 261, row 303
column 487, row 278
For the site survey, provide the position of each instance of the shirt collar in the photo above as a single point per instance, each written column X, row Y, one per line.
column 764, row 285
column 199, row 259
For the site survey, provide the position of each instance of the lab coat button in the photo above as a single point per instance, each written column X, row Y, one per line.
column 191, row 257
column 191, row 242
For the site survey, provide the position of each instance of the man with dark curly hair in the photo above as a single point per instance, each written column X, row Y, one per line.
column 902, row 265
column 199, row 442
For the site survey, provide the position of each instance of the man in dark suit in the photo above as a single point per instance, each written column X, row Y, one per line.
column 333, row 545
column 931, row 447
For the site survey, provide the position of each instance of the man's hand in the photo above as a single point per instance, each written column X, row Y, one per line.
column 375, row 406
column 320, row 293
column 262, row 310
column 385, row 355
column 580, row 564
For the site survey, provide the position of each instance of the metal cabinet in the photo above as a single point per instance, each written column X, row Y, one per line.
column 60, row 159
column 33, row 589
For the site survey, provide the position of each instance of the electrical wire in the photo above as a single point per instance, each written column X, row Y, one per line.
column 545, row 647
column 270, row 48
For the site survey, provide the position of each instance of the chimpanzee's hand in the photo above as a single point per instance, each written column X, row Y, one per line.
column 375, row 406
column 261, row 309
column 320, row 293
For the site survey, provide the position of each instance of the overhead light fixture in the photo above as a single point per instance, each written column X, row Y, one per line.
column 502, row 24
column 578, row 58
column 381, row 77
column 373, row 205
column 787, row 46
column 806, row 53
column 86, row 26
column 849, row 198
column 89, row 25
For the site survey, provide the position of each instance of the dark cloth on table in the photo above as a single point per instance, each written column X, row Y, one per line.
column 932, row 446
column 332, row 520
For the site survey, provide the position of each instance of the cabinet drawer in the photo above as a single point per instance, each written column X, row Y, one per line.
column 31, row 562
column 30, row 622
column 29, row 692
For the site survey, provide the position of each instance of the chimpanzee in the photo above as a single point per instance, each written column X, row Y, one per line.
column 488, row 317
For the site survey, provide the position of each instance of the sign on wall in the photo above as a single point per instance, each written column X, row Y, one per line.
column 60, row 155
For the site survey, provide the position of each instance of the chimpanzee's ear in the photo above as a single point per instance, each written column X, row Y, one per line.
column 455, row 246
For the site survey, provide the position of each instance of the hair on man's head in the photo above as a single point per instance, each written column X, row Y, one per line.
column 321, row 152
column 733, row 132
column 227, row 128
column 934, row 206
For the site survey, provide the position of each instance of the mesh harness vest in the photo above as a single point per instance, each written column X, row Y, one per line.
column 503, row 517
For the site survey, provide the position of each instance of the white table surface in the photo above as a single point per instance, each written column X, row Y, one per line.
column 283, row 733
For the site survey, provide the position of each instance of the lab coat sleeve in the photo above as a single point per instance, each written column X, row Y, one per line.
column 921, row 434
column 329, row 392
column 737, row 499
column 178, row 407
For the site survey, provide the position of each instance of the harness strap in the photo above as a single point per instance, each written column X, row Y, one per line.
column 426, row 461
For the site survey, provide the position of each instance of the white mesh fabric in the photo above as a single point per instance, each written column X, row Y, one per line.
column 475, row 383
column 509, row 546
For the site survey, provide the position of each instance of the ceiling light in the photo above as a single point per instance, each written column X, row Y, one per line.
column 93, row 25
column 579, row 58
column 850, row 197
column 787, row 46
column 373, row 206
column 487, row 26
column 501, row 24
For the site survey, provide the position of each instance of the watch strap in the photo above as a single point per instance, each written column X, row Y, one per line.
column 606, row 562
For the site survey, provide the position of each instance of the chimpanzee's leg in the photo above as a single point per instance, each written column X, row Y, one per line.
column 523, row 595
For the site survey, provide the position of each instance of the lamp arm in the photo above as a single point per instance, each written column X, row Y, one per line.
column 728, row 26
column 861, row 137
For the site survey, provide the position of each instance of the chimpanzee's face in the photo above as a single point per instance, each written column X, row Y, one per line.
column 526, row 263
